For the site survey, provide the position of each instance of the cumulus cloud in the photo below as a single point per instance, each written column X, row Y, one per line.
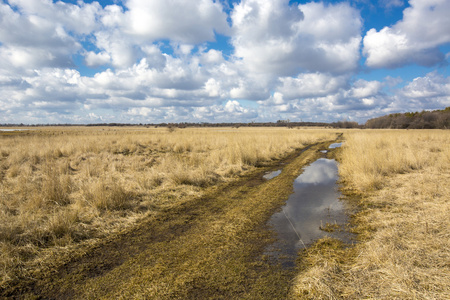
column 431, row 86
column 114, row 43
column 54, row 30
column 363, row 89
column 50, row 94
column 278, row 38
column 178, row 20
column 180, row 82
column 93, row 59
column 212, row 56
column 127, row 33
column 311, row 85
column 414, row 39
column 54, row 89
column 79, row 18
column 428, row 92
column 40, row 33
column 319, row 97
column 30, row 41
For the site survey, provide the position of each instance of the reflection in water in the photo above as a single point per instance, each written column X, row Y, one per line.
column 272, row 174
column 315, row 202
column 335, row 145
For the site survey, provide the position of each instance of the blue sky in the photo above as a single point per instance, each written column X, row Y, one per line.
column 139, row 61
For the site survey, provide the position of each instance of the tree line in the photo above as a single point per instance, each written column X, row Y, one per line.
column 436, row 119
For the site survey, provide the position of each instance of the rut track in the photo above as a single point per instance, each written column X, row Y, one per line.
column 209, row 247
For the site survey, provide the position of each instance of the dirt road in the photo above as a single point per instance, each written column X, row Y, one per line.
column 211, row 247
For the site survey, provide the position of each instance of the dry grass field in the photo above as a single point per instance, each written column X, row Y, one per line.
column 185, row 210
column 62, row 187
column 401, row 179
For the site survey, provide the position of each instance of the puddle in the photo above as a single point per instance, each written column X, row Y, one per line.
column 323, row 151
column 335, row 145
column 13, row 129
column 270, row 175
column 314, row 203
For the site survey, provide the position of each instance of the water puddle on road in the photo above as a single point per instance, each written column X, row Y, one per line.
column 314, row 205
column 273, row 174
column 335, row 145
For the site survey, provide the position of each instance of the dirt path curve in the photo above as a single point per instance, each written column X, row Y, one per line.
column 210, row 247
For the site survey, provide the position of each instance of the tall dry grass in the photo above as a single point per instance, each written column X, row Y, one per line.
column 61, row 186
column 403, row 180
column 370, row 156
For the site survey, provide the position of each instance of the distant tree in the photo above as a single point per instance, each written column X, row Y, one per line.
column 413, row 120
column 345, row 124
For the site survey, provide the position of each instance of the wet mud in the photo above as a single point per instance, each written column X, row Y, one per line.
column 314, row 210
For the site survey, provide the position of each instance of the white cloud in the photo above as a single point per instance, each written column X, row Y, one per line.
column 146, row 112
column 112, row 16
column 414, row 39
column 431, row 86
column 232, row 106
column 319, row 97
column 363, row 89
column 30, row 41
column 178, row 20
column 79, row 18
column 250, row 87
column 212, row 56
column 311, row 85
column 213, row 88
column 154, row 57
column 127, row 34
column 338, row 23
column 277, row 38
column 118, row 46
column 47, row 95
column 93, row 59
column 278, row 98
column 179, row 83
column 232, row 111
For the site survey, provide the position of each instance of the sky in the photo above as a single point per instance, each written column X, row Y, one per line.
column 164, row 61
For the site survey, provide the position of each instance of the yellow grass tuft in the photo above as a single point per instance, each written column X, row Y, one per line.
column 107, row 194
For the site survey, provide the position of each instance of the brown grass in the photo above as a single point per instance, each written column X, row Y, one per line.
column 402, row 180
column 63, row 186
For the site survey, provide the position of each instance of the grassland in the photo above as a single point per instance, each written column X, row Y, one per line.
column 89, row 213
column 62, row 188
column 401, row 182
